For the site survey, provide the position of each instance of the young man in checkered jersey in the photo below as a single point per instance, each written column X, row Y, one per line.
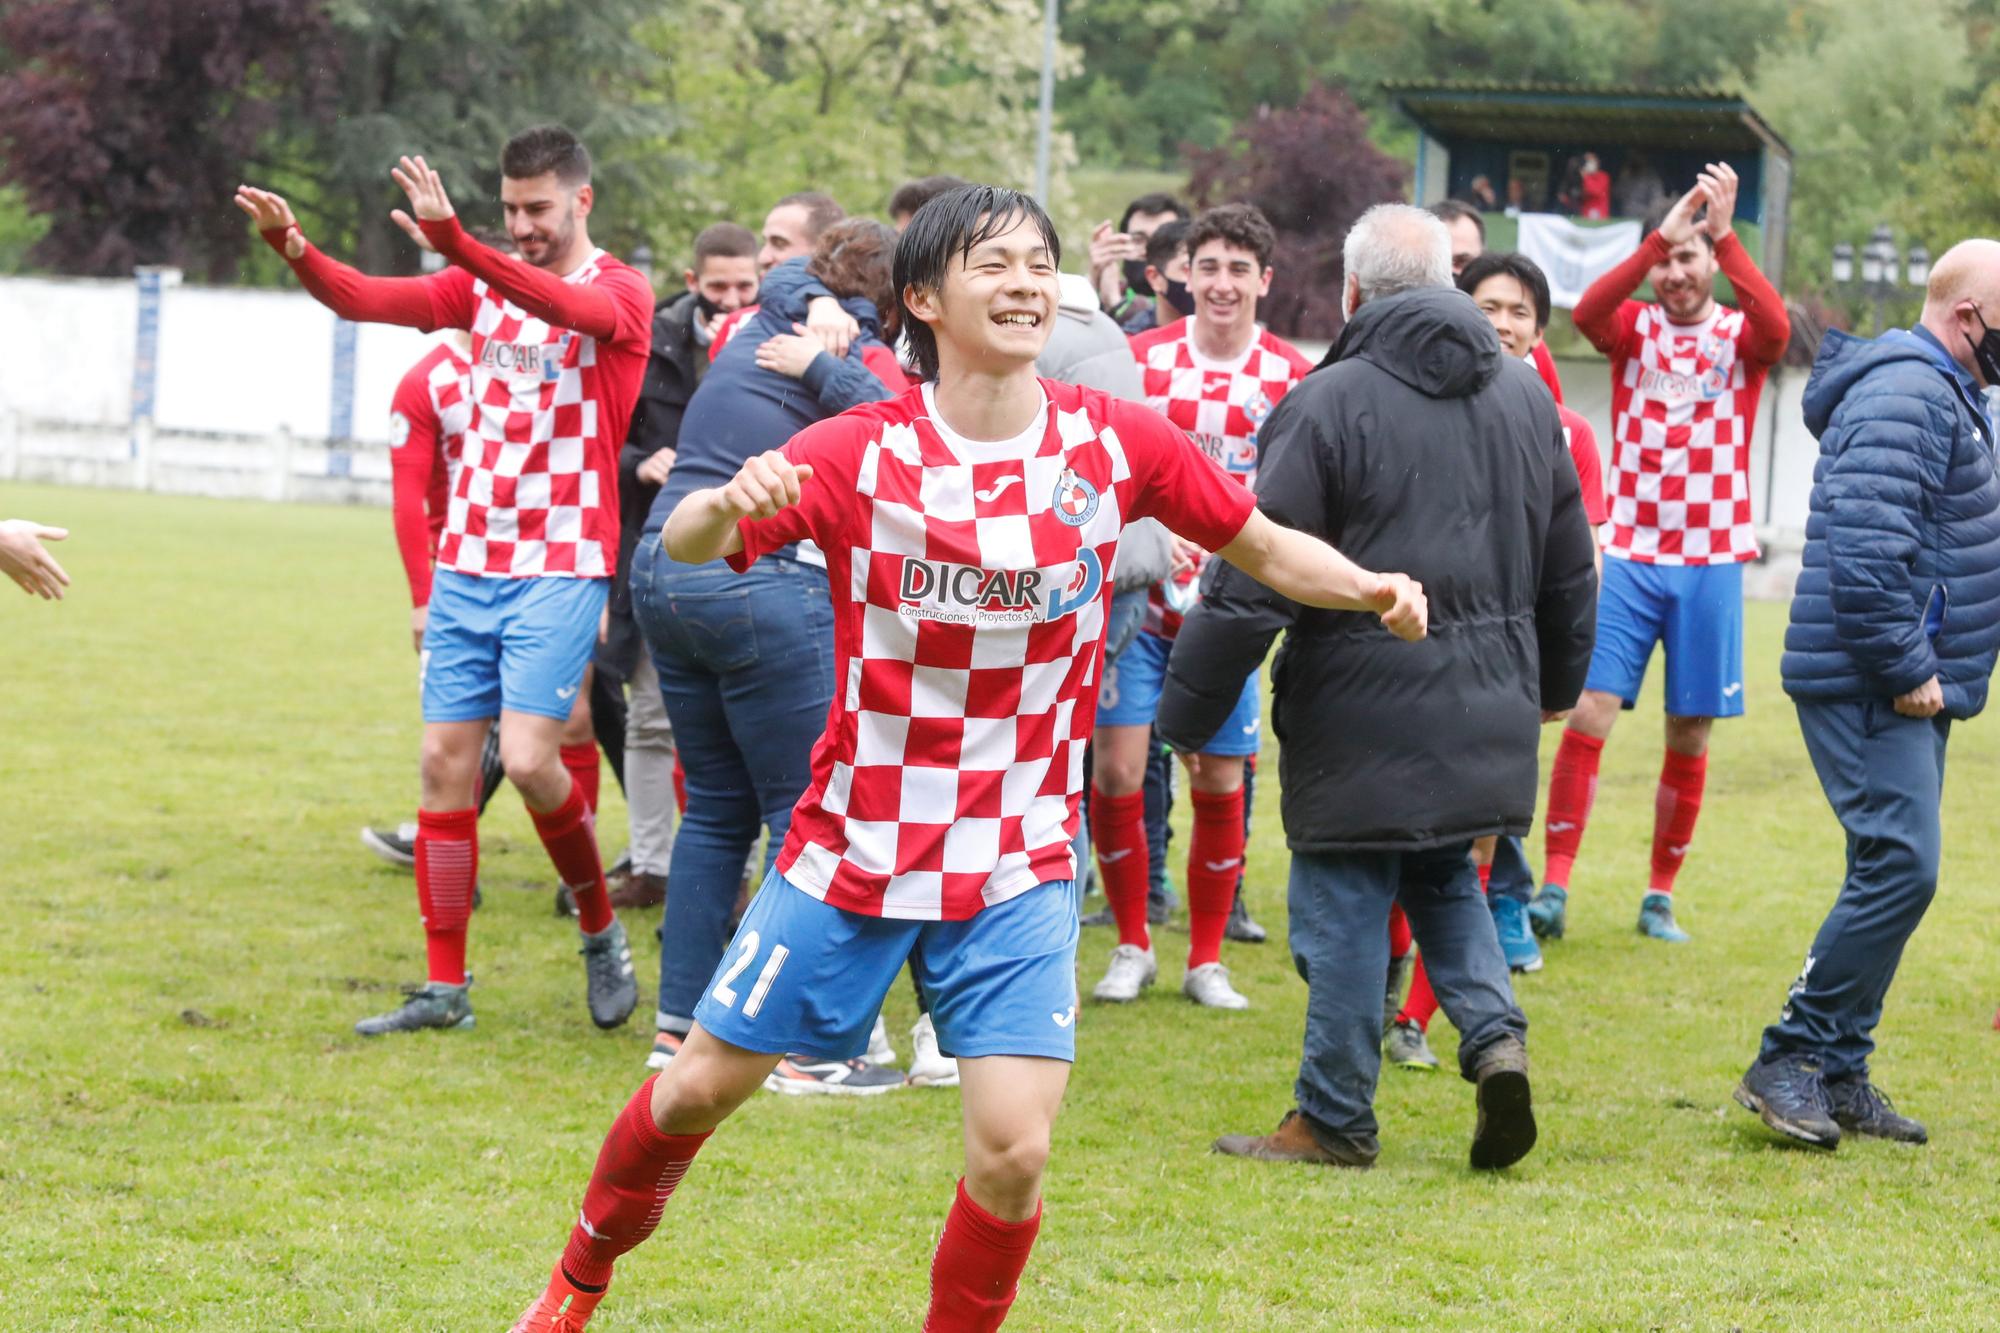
column 559, row 344
column 1216, row 375
column 967, row 526
column 1686, row 374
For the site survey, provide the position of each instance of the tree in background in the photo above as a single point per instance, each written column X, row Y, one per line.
column 851, row 99
column 1954, row 193
column 128, row 126
column 1313, row 171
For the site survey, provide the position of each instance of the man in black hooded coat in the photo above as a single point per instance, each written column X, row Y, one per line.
column 1417, row 445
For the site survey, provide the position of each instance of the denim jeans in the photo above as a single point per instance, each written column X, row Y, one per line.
column 746, row 668
column 1883, row 774
column 1511, row 876
column 1339, row 906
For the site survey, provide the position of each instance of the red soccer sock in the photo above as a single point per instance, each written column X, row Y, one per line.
column 447, row 868
column 585, row 770
column 1423, row 1002
column 1572, row 790
column 637, row 1170
column 570, row 834
column 977, row 1267
column 1215, row 859
column 1118, row 828
column 1675, row 807
column 1399, row 932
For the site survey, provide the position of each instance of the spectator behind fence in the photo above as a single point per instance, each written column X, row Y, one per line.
column 1420, row 444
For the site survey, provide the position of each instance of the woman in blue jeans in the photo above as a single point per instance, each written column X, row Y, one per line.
column 746, row 660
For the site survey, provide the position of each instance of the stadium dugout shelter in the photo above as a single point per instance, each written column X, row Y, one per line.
column 1528, row 140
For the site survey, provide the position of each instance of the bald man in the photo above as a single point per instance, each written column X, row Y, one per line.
column 1895, row 626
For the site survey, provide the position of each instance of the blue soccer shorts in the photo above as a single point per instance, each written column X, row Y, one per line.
column 1130, row 697
column 1696, row 611
column 519, row 644
column 806, row 978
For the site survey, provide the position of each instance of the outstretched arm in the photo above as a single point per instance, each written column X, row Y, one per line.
column 586, row 308
column 347, row 292
column 703, row 526
column 24, row 560
column 1310, row 572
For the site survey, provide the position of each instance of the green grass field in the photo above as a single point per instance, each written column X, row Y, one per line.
column 191, row 1138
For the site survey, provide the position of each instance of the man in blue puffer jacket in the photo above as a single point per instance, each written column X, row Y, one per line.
column 1895, row 626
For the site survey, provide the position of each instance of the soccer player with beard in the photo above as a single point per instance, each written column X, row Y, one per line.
column 559, row 344
column 1686, row 373
column 1216, row 375
column 967, row 526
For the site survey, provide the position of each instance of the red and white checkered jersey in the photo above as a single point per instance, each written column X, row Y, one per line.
column 970, row 597
column 428, row 414
column 536, row 493
column 1220, row 404
column 1683, row 402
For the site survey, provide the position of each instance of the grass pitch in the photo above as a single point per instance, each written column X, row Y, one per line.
column 191, row 1138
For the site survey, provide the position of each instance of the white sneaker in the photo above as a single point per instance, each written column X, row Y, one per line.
column 929, row 1067
column 880, row 1052
column 1209, row 985
column 1132, row 970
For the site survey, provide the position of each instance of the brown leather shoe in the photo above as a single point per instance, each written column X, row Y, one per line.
column 640, row 889
column 1506, row 1128
column 1295, row 1141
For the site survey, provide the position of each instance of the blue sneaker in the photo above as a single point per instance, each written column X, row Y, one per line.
column 1656, row 919
column 1546, row 913
column 1510, row 918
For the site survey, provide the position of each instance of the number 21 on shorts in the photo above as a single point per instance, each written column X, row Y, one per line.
column 747, row 945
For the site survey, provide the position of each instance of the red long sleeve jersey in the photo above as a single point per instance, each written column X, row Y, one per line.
column 1683, row 405
column 427, row 420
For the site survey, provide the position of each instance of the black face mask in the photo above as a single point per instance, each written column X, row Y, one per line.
column 1179, row 299
column 709, row 309
column 1987, row 350
column 1135, row 275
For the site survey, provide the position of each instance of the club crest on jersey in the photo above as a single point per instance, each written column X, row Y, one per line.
column 1075, row 500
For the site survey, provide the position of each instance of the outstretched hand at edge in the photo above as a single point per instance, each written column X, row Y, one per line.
column 271, row 213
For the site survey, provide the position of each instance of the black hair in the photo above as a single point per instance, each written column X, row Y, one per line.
column 545, row 149
column 1505, row 263
column 913, row 195
column 1243, row 226
column 947, row 228
column 1153, row 203
column 1167, row 240
column 724, row 240
column 1451, row 210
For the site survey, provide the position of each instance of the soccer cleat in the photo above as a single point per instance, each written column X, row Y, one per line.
column 1392, row 997
column 1506, row 1128
column 431, row 1005
column 1407, row 1048
column 563, row 1307
column 1859, row 1107
column 609, row 986
column 1547, row 914
column 929, row 1066
column 1132, row 970
column 1295, row 1141
column 1789, row 1094
column 1517, row 940
column 397, row 846
column 803, row 1076
column 1208, row 985
column 1656, row 919
column 1241, row 927
column 879, row 1051
column 666, row 1045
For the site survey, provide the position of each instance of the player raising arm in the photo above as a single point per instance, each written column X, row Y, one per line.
column 967, row 527
column 559, row 344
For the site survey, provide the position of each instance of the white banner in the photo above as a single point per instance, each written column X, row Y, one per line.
column 1572, row 255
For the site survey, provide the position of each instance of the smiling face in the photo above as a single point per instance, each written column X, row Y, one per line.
column 727, row 282
column 996, row 307
column 543, row 217
column 1226, row 281
column 1510, row 306
column 1685, row 283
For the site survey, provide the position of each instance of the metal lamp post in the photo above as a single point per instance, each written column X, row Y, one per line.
column 1881, row 275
